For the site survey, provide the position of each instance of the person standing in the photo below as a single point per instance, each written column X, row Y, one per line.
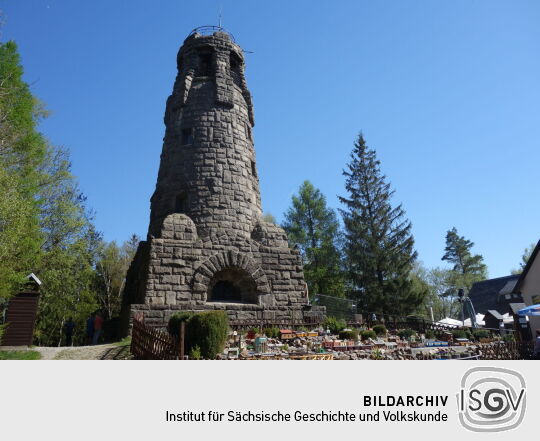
column 69, row 326
column 536, row 352
column 98, row 326
column 90, row 330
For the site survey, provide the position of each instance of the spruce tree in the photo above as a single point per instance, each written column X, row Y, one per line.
column 314, row 228
column 379, row 246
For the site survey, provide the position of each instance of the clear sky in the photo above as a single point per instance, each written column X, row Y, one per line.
column 447, row 92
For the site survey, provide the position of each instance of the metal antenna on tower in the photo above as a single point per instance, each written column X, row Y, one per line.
column 220, row 11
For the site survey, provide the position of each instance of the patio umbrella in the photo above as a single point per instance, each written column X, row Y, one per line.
column 530, row 310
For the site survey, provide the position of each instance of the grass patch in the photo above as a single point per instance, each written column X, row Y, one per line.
column 20, row 355
column 126, row 341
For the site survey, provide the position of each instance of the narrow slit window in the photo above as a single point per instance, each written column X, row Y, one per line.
column 180, row 203
column 187, row 136
column 235, row 62
column 253, row 169
column 205, row 62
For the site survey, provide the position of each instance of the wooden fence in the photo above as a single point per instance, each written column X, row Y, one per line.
column 149, row 343
column 507, row 351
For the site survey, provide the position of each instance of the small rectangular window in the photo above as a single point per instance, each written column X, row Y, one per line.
column 253, row 169
column 205, row 64
column 187, row 136
column 180, row 203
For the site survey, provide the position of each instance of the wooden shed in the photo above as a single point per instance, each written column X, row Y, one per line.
column 21, row 314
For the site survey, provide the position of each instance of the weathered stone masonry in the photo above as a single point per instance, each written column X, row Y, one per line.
column 207, row 246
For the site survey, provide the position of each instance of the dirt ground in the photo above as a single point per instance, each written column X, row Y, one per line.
column 112, row 351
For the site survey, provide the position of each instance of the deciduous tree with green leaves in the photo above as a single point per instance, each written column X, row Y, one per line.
column 314, row 228
column 45, row 227
column 379, row 246
column 111, row 269
column 441, row 296
column 22, row 149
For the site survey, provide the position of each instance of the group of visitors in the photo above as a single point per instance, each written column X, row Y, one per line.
column 94, row 327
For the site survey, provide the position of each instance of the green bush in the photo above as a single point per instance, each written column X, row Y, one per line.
column 208, row 331
column 2, row 329
column 460, row 333
column 379, row 329
column 195, row 353
column 272, row 332
column 368, row 334
column 253, row 330
column 430, row 334
column 174, row 322
column 335, row 325
column 481, row 333
column 406, row 333
column 348, row 334
column 508, row 337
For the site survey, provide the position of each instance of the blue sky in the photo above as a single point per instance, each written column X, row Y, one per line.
column 447, row 92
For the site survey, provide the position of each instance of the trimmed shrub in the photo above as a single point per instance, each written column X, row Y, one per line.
column 349, row 334
column 379, row 329
column 406, row 333
column 272, row 332
column 208, row 331
column 368, row 334
column 335, row 325
column 430, row 334
column 174, row 322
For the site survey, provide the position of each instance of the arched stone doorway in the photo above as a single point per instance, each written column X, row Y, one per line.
column 232, row 285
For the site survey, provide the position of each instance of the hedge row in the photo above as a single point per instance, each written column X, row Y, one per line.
column 206, row 332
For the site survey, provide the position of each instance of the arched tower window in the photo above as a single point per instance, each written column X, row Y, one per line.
column 232, row 285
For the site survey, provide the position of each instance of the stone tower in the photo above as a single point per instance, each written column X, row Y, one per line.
column 207, row 245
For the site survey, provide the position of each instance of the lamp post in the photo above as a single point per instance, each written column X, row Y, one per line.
column 461, row 299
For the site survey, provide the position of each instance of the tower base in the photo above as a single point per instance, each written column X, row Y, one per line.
column 255, row 278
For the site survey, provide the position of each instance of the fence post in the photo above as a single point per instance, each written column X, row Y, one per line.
column 182, row 337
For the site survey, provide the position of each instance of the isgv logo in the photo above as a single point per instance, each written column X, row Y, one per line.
column 491, row 399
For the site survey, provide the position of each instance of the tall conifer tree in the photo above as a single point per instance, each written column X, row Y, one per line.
column 379, row 246
column 468, row 268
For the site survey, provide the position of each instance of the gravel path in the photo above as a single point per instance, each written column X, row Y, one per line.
column 97, row 352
